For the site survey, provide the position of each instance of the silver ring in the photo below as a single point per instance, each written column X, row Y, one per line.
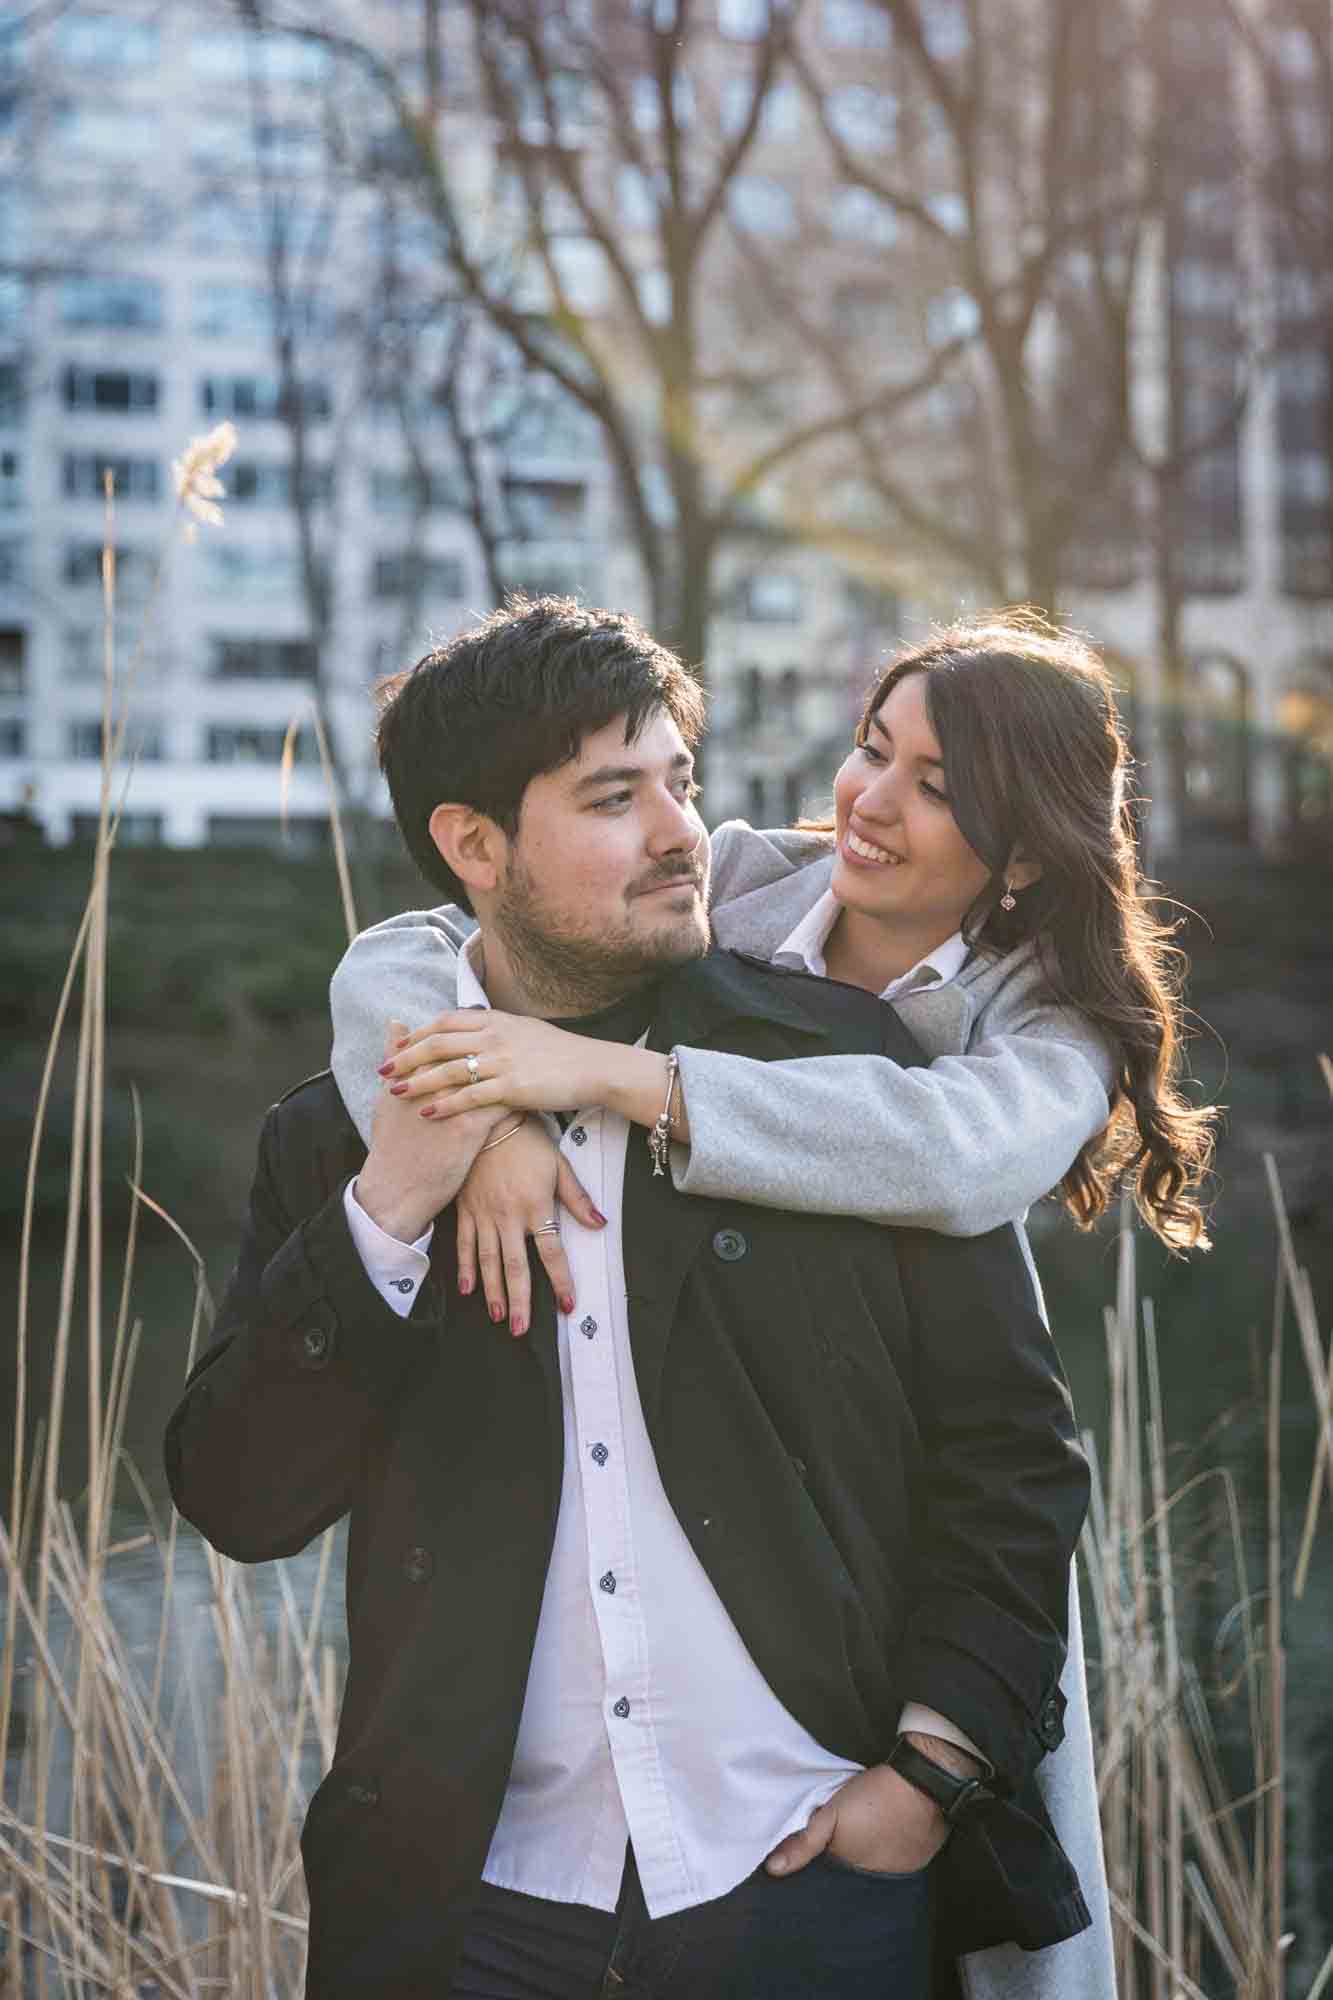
column 473, row 1070
column 551, row 1228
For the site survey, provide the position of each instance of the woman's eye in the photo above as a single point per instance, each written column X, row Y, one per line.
column 689, row 790
column 871, row 754
column 934, row 792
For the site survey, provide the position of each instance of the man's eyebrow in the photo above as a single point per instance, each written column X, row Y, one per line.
column 875, row 723
column 626, row 774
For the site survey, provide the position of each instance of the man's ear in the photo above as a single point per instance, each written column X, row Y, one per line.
column 471, row 844
column 1022, row 873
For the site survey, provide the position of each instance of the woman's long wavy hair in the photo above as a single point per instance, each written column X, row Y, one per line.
column 1035, row 761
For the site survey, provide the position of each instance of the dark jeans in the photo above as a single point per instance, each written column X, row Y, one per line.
column 827, row 1933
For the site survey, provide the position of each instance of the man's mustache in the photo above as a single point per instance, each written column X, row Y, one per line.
column 663, row 876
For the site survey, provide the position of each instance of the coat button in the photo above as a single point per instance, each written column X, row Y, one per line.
column 362, row 1795
column 729, row 1245
column 418, row 1565
column 316, row 1343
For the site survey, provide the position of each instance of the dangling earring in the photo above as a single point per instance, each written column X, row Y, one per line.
column 1008, row 900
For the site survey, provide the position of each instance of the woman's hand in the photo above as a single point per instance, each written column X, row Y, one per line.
column 530, row 1065
column 519, row 1061
column 511, row 1191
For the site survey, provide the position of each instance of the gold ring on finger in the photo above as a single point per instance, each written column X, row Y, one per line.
column 473, row 1070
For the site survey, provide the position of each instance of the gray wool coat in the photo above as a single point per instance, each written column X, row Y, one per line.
column 1016, row 1087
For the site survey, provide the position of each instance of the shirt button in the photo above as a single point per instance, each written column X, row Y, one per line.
column 729, row 1245
column 578, row 1134
column 599, row 1454
column 608, row 1583
column 588, row 1327
column 621, row 1708
column 404, row 1285
column 418, row 1565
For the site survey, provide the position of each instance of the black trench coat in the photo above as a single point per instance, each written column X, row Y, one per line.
column 865, row 1433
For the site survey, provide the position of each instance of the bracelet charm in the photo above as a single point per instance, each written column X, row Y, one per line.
column 659, row 1138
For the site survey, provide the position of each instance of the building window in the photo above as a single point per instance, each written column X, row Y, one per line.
column 230, row 55
column 13, row 737
column 220, row 311
column 124, row 303
column 133, row 829
column 107, row 42
column 775, row 598
column 398, row 575
column 298, row 833
column 13, row 561
column 122, row 389
column 11, row 479
column 855, row 24
column 233, row 658
column 232, row 568
column 135, row 568
column 864, row 119
column 13, row 393
column 258, row 482
column 13, row 660
column 401, row 492
column 250, row 743
column 762, row 207
column 546, row 510
column 83, row 476
column 141, row 739
column 260, row 396
column 756, row 794
column 106, row 133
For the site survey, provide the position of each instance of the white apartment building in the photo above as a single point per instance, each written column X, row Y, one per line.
column 135, row 168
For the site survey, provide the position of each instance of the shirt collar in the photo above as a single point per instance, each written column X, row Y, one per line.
column 471, row 992
column 803, row 951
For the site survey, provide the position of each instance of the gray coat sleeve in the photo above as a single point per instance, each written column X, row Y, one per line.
column 405, row 969
column 960, row 1147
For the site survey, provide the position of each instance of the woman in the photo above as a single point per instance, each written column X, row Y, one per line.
column 979, row 871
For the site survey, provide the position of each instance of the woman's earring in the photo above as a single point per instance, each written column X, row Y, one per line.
column 1008, row 900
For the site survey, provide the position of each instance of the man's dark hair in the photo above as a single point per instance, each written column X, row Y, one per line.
column 476, row 720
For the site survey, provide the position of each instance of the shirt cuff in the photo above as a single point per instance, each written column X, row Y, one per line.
column 396, row 1270
column 923, row 1721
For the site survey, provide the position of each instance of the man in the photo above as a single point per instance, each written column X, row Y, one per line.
column 685, row 1633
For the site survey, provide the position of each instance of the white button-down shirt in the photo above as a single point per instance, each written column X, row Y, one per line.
column 804, row 951
column 645, row 1718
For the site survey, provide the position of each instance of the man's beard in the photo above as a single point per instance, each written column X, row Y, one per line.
column 564, row 971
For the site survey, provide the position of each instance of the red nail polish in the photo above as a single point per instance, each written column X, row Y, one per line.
column 465, row 1286
column 386, row 1068
column 567, row 1302
column 518, row 1324
column 428, row 1111
column 599, row 1216
column 397, row 1090
column 403, row 1044
column 497, row 1313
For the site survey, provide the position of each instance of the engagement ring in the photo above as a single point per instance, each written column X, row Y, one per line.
column 473, row 1070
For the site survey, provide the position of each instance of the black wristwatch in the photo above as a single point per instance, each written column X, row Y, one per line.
column 955, row 1797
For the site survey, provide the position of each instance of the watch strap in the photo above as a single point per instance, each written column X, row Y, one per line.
column 953, row 1795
